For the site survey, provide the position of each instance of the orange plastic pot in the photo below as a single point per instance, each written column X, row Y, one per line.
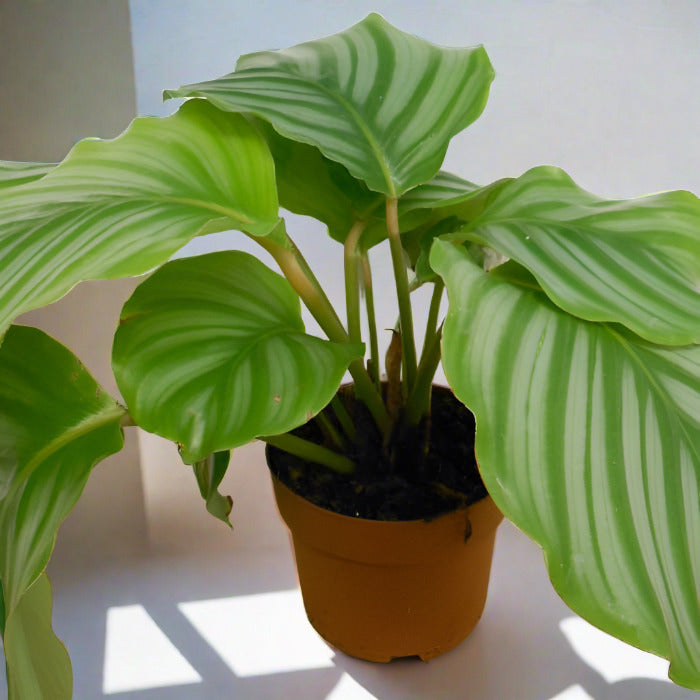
column 380, row 590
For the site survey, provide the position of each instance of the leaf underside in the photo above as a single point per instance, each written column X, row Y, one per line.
column 209, row 472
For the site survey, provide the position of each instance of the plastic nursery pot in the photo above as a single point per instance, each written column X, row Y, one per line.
column 380, row 590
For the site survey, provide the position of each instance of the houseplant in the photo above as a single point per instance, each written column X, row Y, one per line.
column 578, row 356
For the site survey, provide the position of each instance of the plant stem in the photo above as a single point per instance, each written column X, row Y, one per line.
column 418, row 403
column 331, row 431
column 401, row 277
column 341, row 413
column 311, row 452
column 305, row 284
column 351, row 262
column 433, row 313
column 127, row 421
column 371, row 320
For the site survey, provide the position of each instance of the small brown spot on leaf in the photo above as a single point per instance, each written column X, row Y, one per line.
column 276, row 398
column 309, row 416
column 74, row 376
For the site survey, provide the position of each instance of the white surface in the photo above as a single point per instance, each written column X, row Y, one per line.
column 138, row 655
column 574, row 692
column 613, row 659
column 260, row 634
column 517, row 652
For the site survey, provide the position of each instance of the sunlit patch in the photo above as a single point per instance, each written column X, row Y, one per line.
column 348, row 688
column 612, row 659
column 260, row 634
column 573, row 692
column 138, row 655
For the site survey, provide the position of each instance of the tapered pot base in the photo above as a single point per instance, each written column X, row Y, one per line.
column 381, row 590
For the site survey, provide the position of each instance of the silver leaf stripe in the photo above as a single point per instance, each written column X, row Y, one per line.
column 383, row 103
column 588, row 438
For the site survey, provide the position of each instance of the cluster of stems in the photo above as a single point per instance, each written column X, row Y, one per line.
column 411, row 377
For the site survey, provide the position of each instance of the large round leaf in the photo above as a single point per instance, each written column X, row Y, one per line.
column 635, row 262
column 588, row 439
column 211, row 353
column 56, row 423
column 121, row 207
column 381, row 102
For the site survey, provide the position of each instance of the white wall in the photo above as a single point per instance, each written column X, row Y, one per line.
column 66, row 72
column 608, row 90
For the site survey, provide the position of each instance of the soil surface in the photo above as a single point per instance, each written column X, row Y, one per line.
column 400, row 481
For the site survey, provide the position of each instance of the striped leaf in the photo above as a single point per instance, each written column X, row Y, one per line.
column 211, row 353
column 119, row 208
column 13, row 174
column 381, row 102
column 447, row 191
column 312, row 185
column 55, row 425
column 635, row 262
column 588, row 439
column 435, row 208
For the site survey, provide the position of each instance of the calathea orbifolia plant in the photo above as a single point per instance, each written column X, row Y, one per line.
column 578, row 356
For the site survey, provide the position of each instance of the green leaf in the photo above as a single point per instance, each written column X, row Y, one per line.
column 2, row 612
column 38, row 663
column 211, row 353
column 311, row 185
column 588, row 439
column 383, row 103
column 119, row 208
column 56, row 423
column 13, row 174
column 442, row 204
column 635, row 262
column 448, row 191
column 209, row 472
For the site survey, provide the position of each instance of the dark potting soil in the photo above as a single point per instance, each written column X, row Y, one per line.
column 401, row 481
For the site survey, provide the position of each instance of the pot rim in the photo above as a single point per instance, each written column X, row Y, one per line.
column 395, row 541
